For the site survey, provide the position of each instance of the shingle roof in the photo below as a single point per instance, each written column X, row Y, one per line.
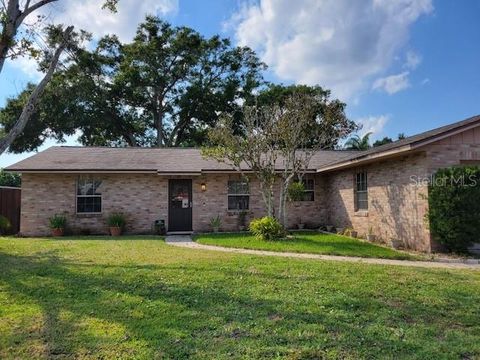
column 190, row 160
column 410, row 141
column 164, row 160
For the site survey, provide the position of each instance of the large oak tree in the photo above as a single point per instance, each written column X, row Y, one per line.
column 165, row 88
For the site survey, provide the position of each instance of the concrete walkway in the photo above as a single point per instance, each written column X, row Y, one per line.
column 185, row 241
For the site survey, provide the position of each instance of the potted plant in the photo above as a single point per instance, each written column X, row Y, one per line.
column 215, row 223
column 57, row 224
column 116, row 222
column 242, row 217
column 370, row 235
column 350, row 232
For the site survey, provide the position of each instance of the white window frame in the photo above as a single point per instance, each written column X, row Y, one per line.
column 93, row 179
column 356, row 191
column 237, row 195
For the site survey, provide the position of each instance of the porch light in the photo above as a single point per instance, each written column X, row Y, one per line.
column 203, row 186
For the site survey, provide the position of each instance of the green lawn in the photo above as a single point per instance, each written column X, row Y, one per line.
column 306, row 242
column 142, row 299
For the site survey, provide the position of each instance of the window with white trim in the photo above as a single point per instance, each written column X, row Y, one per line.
column 238, row 195
column 89, row 195
column 361, row 191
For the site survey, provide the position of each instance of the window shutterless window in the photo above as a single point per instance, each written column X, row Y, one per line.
column 89, row 195
column 238, row 195
column 361, row 191
column 309, row 193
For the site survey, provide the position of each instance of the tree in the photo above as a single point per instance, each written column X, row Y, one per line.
column 10, row 179
column 165, row 88
column 385, row 140
column 11, row 46
column 358, row 143
column 179, row 78
column 325, row 108
column 274, row 142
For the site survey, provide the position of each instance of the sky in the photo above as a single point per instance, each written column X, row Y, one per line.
column 401, row 66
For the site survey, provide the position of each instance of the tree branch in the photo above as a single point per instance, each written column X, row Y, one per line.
column 29, row 107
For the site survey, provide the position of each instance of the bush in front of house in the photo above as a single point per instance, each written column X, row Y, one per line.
column 454, row 207
column 5, row 225
column 267, row 228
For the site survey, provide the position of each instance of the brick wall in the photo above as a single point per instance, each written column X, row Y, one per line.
column 143, row 199
column 453, row 150
column 396, row 204
column 214, row 201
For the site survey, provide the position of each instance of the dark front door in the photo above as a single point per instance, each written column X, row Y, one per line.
column 180, row 205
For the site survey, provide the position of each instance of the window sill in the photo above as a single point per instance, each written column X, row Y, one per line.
column 361, row 213
column 88, row 215
column 236, row 212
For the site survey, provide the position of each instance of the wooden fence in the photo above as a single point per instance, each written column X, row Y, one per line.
column 10, row 206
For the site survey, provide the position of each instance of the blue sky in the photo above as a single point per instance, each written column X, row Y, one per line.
column 400, row 65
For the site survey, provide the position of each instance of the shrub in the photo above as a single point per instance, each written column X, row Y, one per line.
column 454, row 207
column 267, row 228
column 296, row 191
column 215, row 223
column 57, row 221
column 4, row 224
column 116, row 220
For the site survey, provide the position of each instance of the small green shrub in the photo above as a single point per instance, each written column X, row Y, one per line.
column 267, row 228
column 454, row 207
column 116, row 220
column 215, row 223
column 296, row 191
column 4, row 224
column 57, row 221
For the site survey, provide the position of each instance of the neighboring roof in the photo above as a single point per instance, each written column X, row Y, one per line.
column 131, row 159
column 400, row 146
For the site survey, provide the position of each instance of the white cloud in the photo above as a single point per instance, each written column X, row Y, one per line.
column 338, row 44
column 412, row 60
column 90, row 16
column 372, row 124
column 393, row 83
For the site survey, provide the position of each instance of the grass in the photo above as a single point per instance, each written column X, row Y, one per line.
column 142, row 299
column 306, row 242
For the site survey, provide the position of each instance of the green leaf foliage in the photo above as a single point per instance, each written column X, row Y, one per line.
column 57, row 221
column 267, row 228
column 10, row 179
column 166, row 87
column 4, row 224
column 116, row 220
column 296, row 191
column 454, row 207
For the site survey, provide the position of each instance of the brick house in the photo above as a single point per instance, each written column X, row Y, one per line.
column 382, row 190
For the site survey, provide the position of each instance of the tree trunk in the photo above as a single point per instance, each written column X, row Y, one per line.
column 29, row 107
column 282, row 206
column 13, row 19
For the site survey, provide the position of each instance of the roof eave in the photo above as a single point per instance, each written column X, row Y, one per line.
column 366, row 158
